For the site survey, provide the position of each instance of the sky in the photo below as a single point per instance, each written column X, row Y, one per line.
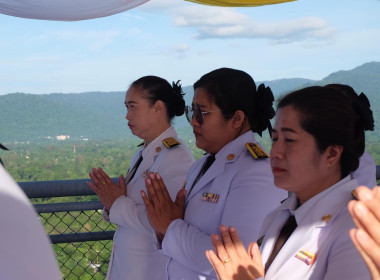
column 179, row 40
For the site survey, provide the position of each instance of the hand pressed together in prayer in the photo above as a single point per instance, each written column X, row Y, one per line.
column 231, row 260
column 160, row 208
column 366, row 215
column 105, row 188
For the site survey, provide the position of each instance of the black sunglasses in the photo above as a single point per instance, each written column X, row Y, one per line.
column 196, row 113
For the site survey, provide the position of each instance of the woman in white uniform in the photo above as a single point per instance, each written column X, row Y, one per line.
column 236, row 189
column 318, row 139
column 151, row 105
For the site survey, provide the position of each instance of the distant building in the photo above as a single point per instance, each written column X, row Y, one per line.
column 62, row 137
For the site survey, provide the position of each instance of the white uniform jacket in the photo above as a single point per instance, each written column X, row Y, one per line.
column 323, row 224
column 237, row 190
column 366, row 172
column 133, row 254
column 25, row 249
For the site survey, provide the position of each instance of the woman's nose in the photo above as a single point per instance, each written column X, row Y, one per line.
column 194, row 122
column 128, row 116
column 276, row 151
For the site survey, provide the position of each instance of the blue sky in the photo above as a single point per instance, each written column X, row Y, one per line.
column 178, row 40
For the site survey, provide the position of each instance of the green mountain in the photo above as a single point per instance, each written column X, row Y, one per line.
column 364, row 78
column 88, row 115
column 283, row 86
column 101, row 115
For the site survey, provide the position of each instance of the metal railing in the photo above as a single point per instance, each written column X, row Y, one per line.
column 82, row 240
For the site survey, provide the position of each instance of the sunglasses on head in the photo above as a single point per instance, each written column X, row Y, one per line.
column 197, row 113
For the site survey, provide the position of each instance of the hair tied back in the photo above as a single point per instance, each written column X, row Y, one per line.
column 364, row 100
column 265, row 106
column 177, row 89
column 363, row 109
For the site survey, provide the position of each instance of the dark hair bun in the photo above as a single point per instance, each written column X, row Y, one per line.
column 363, row 109
column 264, row 108
column 360, row 104
column 177, row 102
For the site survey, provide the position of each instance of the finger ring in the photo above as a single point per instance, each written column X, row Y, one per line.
column 227, row 260
column 103, row 182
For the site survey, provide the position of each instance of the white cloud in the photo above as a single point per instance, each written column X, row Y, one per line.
column 179, row 51
column 213, row 22
column 181, row 48
column 208, row 16
column 204, row 52
column 285, row 31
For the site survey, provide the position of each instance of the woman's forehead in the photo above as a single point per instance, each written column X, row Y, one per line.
column 287, row 118
column 134, row 94
column 202, row 97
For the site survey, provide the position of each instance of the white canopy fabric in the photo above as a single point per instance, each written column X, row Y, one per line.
column 66, row 10
column 73, row 10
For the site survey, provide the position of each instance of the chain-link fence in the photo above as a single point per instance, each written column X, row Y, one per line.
column 84, row 260
column 81, row 239
column 79, row 260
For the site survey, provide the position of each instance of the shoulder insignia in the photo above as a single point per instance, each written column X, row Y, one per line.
column 256, row 151
column 170, row 142
column 142, row 143
column 354, row 195
column 326, row 218
column 230, row 157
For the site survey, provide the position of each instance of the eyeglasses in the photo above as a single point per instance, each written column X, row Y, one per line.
column 196, row 113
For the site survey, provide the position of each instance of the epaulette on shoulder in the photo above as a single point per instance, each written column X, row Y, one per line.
column 256, row 151
column 142, row 143
column 170, row 142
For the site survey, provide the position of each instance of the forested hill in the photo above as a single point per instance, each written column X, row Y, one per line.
column 88, row 115
column 101, row 115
